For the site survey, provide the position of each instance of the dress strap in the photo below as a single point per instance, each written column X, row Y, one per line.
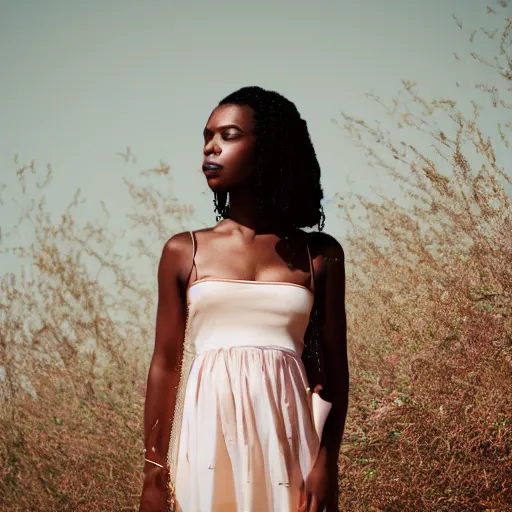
column 311, row 271
column 193, row 256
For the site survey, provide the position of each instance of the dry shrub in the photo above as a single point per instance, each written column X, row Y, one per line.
column 76, row 327
column 430, row 332
column 430, row 309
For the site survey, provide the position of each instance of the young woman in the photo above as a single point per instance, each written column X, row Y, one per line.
column 250, row 328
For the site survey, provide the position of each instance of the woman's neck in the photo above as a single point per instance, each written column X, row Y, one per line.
column 244, row 210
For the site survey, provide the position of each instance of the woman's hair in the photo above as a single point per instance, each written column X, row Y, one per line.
column 287, row 184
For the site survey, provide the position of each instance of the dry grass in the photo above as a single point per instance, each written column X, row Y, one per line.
column 76, row 327
column 430, row 329
column 430, row 313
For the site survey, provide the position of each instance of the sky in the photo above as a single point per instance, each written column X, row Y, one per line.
column 82, row 81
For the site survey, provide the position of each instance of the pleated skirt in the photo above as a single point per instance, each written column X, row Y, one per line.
column 247, row 439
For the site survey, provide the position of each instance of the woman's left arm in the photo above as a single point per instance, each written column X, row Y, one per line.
column 330, row 269
column 335, row 349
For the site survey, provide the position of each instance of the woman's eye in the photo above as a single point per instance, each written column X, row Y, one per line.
column 231, row 135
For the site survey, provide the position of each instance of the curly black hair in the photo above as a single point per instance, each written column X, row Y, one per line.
column 288, row 188
column 287, row 171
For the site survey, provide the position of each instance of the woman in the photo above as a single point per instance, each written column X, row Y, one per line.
column 253, row 309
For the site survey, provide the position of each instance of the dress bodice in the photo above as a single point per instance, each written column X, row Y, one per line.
column 235, row 313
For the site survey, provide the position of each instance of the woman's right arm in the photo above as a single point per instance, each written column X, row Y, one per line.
column 164, row 375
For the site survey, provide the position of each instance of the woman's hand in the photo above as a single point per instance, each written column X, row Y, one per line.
column 319, row 491
column 314, row 491
column 154, row 491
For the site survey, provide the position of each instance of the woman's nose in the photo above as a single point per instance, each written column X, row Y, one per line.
column 211, row 147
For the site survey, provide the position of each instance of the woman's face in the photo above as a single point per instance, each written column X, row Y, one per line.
column 229, row 143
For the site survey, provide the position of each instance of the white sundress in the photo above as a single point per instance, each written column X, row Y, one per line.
column 243, row 437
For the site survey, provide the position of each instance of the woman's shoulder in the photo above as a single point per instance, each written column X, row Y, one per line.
column 178, row 242
column 325, row 246
column 182, row 243
column 179, row 251
column 328, row 259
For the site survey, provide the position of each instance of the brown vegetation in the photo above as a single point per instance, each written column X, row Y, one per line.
column 429, row 305
column 76, row 328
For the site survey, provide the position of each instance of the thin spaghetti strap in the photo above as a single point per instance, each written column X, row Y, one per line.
column 311, row 271
column 193, row 256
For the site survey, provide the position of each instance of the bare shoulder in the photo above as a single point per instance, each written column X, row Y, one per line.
column 182, row 243
column 329, row 264
column 178, row 251
column 177, row 245
column 326, row 247
column 176, row 258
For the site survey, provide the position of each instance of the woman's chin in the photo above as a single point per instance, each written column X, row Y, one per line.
column 216, row 183
column 216, row 188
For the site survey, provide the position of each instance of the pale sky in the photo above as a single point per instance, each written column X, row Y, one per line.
column 81, row 81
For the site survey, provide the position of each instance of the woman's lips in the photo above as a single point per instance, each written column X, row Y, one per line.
column 211, row 170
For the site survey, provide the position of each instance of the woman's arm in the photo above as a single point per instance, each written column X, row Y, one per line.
column 163, row 377
column 330, row 294
column 335, row 347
